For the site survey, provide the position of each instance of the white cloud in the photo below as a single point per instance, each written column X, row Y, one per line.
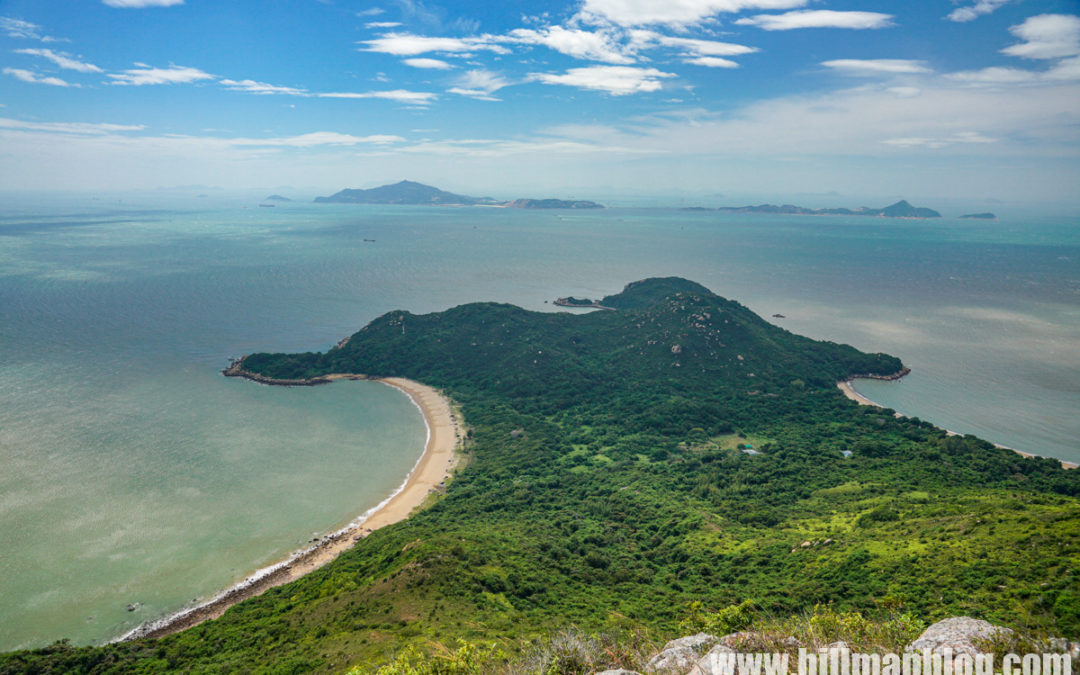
column 671, row 12
column 711, row 62
column 580, row 44
column 615, row 80
column 856, row 122
column 17, row 28
column 478, row 94
column 433, row 64
column 818, row 18
column 704, row 47
column 484, row 80
column 144, row 75
column 479, row 84
column 34, row 78
column 487, row 148
column 407, row 44
column 373, row 11
column 68, row 127
column 139, row 4
column 1047, row 36
column 964, row 14
column 1063, row 71
column 62, row 60
column 382, row 24
column 904, row 92
column 253, row 87
column 316, row 139
column 877, row 66
column 995, row 75
column 1066, row 69
column 933, row 143
column 399, row 95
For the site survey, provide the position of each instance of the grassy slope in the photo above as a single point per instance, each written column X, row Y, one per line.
column 625, row 500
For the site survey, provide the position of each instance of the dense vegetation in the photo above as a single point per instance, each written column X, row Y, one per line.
column 632, row 494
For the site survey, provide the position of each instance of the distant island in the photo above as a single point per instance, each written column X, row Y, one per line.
column 980, row 216
column 413, row 193
column 405, row 192
column 277, row 198
column 901, row 209
column 552, row 204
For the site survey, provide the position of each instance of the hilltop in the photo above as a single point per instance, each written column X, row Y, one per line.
column 627, row 469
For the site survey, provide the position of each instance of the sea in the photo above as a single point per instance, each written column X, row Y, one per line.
column 135, row 480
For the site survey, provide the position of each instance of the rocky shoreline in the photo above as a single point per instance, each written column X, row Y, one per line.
column 236, row 369
column 867, row 376
column 250, row 587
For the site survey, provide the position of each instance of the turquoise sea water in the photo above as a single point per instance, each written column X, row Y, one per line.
column 134, row 473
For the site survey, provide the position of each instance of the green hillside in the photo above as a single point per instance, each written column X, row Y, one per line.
column 627, row 492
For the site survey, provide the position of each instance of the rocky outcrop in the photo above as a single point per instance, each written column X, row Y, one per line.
column 684, row 656
column 236, row 369
column 959, row 633
column 675, row 660
column 698, row 642
column 869, row 376
column 709, row 664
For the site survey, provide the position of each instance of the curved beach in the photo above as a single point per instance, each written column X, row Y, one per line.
column 850, row 392
column 428, row 475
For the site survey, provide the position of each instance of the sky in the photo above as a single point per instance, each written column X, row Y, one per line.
column 976, row 100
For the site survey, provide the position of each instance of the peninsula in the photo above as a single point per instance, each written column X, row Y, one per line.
column 609, row 498
column 901, row 209
column 980, row 216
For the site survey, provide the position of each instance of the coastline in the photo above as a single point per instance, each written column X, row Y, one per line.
column 428, row 475
column 849, row 391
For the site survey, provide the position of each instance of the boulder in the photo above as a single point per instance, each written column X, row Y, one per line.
column 960, row 633
column 675, row 660
column 710, row 663
column 741, row 640
column 698, row 643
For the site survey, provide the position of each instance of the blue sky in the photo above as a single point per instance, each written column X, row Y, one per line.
column 976, row 99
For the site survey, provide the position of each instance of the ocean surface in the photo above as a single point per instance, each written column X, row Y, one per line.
column 134, row 474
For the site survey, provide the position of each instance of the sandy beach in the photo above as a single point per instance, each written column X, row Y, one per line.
column 850, row 392
column 430, row 474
